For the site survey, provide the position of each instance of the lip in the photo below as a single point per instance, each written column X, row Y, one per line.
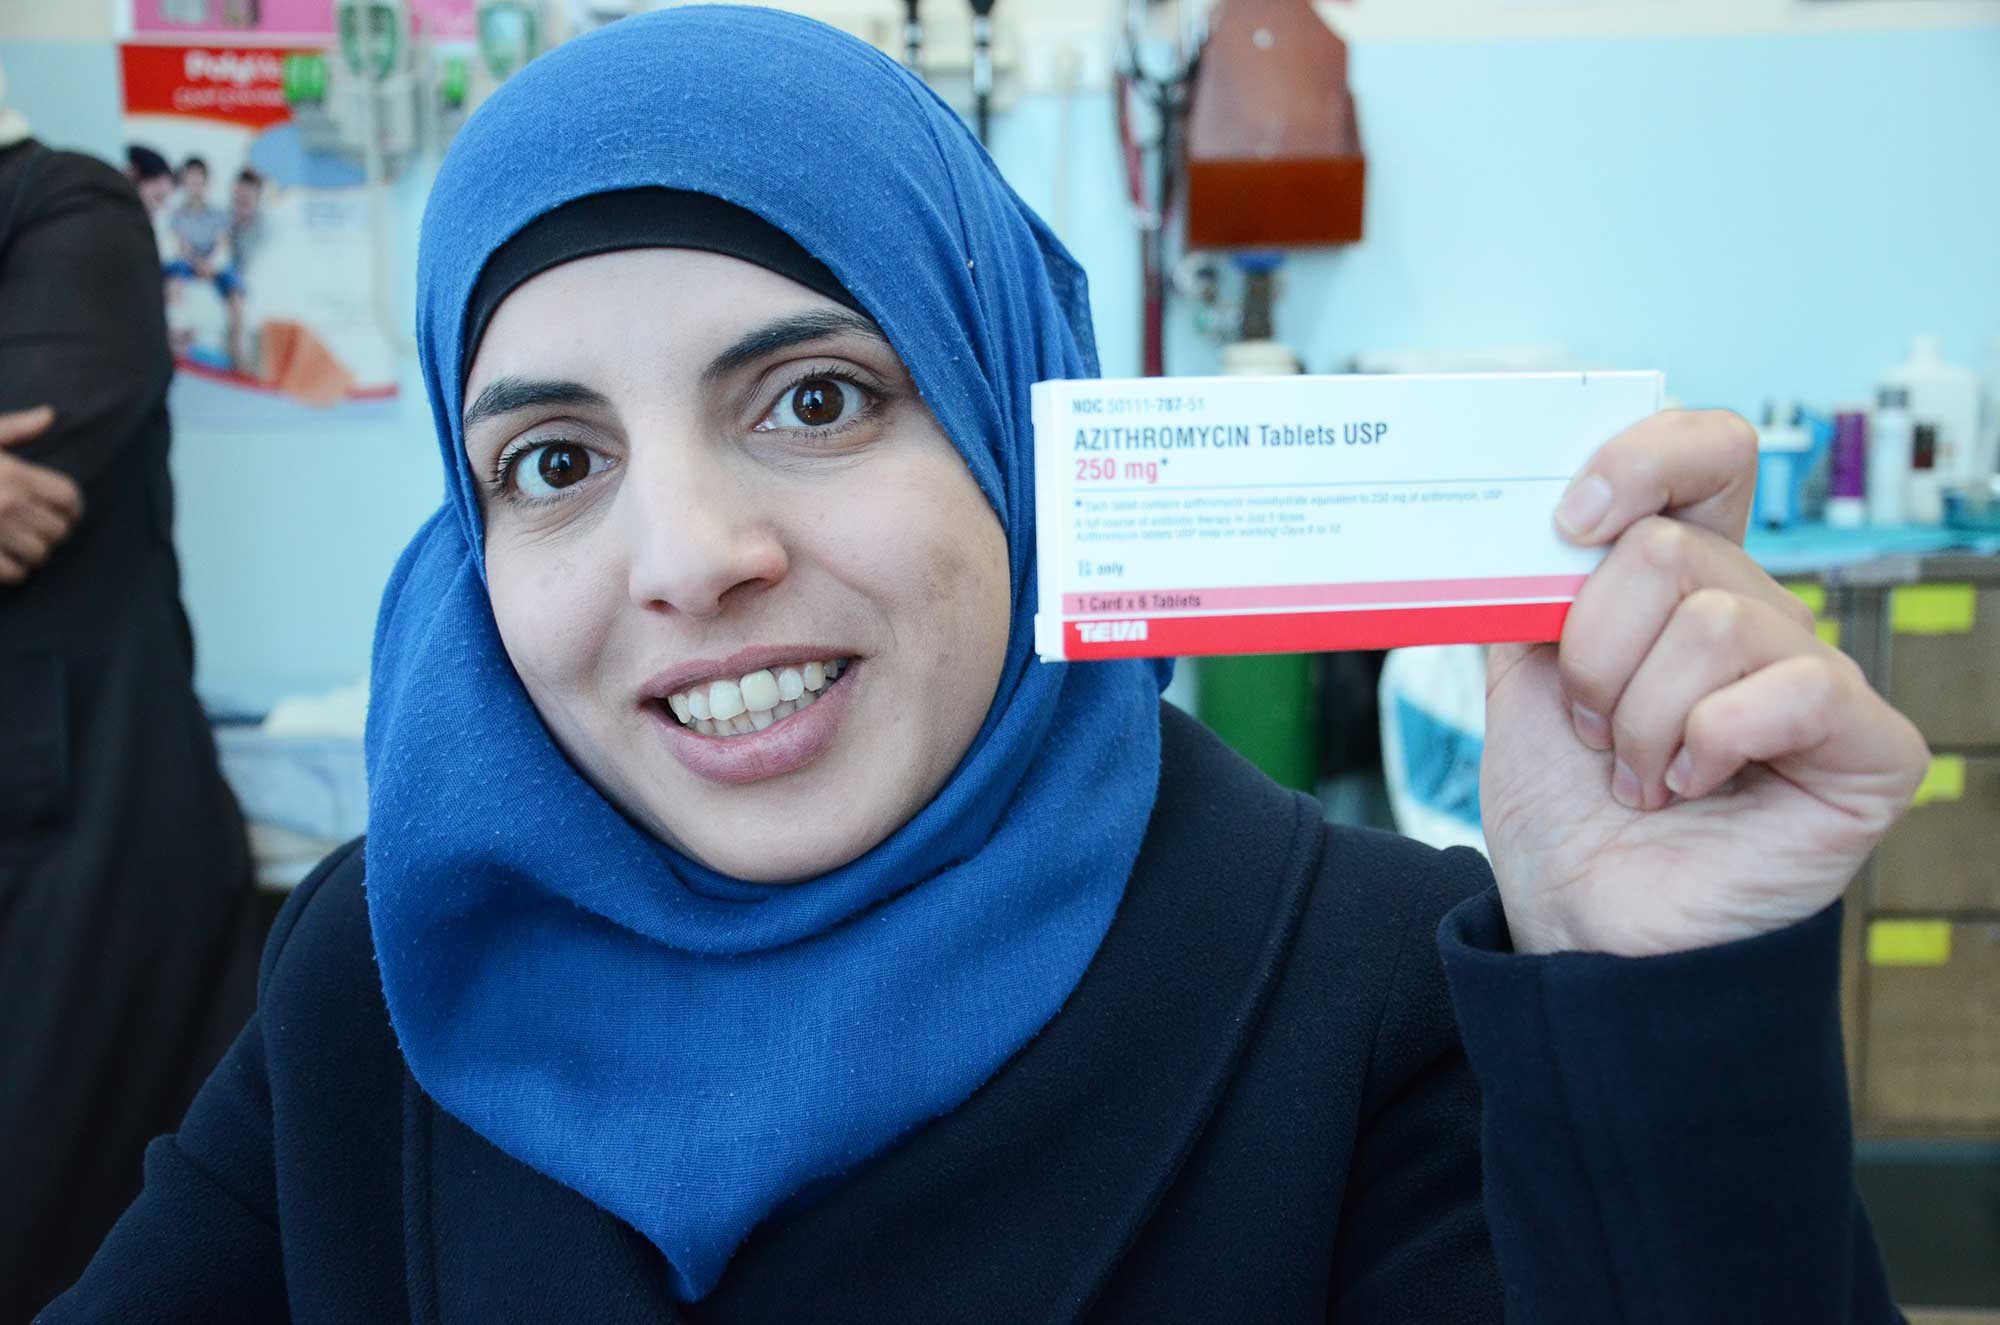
column 682, row 675
column 785, row 746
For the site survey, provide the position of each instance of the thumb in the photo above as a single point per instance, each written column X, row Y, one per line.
column 25, row 424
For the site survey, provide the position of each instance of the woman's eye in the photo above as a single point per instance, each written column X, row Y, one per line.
column 546, row 469
column 817, row 402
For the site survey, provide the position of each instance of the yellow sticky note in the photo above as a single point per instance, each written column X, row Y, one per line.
column 1812, row 595
column 1944, row 780
column 1828, row 632
column 1932, row 609
column 1909, row 942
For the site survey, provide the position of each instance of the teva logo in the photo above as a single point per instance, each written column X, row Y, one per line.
column 1110, row 632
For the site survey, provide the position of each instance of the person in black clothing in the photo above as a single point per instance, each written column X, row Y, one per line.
column 124, row 871
column 751, row 929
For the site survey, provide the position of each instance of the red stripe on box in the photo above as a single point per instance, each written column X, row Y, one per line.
column 1316, row 632
column 1333, row 595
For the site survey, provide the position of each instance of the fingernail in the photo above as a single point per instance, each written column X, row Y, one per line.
column 1591, row 728
column 1679, row 772
column 1588, row 498
column 1625, row 787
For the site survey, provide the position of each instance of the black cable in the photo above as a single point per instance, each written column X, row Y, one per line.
column 982, row 66
column 913, row 38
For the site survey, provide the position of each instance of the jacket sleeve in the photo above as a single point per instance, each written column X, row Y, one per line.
column 1413, row 1244
column 85, row 326
column 1666, row 1138
column 201, row 1242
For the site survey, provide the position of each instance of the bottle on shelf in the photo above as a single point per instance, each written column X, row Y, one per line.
column 1945, row 394
column 1988, row 460
column 1891, row 434
column 1784, row 454
column 1926, row 489
column 1846, row 502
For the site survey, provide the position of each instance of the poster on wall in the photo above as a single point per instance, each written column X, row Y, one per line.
column 264, row 227
column 295, row 21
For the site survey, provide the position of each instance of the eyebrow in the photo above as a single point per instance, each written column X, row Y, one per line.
column 504, row 395
column 787, row 332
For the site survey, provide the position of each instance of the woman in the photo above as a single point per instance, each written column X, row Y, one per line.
column 763, row 934
column 128, row 934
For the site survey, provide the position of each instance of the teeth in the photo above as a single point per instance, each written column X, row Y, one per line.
column 725, row 699
column 760, row 691
column 755, row 700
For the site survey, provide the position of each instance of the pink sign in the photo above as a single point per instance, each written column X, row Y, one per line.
column 213, row 20
column 285, row 20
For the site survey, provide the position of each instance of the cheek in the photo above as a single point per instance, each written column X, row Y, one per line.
column 552, row 618
column 965, row 586
column 942, row 549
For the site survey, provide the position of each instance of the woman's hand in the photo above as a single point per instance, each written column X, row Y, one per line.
column 1690, row 764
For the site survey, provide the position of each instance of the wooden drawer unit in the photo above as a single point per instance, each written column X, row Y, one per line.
column 1944, row 857
column 1930, row 1025
column 1944, row 661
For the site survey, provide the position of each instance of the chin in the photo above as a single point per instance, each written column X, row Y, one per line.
column 761, row 866
column 752, row 857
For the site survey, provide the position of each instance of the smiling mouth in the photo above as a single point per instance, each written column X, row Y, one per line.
column 752, row 702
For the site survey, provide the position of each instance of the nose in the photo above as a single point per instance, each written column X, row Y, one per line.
column 697, row 533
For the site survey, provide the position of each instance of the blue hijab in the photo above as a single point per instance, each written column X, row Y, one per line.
column 686, row 1050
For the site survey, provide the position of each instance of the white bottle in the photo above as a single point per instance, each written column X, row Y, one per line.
column 1988, row 460
column 1946, row 394
column 1925, row 494
column 1891, row 434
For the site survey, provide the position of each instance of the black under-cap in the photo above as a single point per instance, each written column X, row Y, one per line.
column 639, row 218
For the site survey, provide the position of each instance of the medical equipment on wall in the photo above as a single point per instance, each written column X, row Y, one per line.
column 982, row 66
column 511, row 33
column 913, row 38
column 1158, row 51
column 244, row 14
column 373, row 98
column 1273, row 152
column 968, row 57
column 588, row 15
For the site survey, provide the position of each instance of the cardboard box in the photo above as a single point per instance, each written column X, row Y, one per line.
column 1944, row 856
column 1183, row 516
column 1944, row 661
column 1931, row 1027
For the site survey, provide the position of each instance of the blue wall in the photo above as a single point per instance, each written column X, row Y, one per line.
column 1754, row 215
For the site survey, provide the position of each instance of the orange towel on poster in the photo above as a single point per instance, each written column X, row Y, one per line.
column 298, row 363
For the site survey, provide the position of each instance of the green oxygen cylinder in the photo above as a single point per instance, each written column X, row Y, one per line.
column 1266, row 706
